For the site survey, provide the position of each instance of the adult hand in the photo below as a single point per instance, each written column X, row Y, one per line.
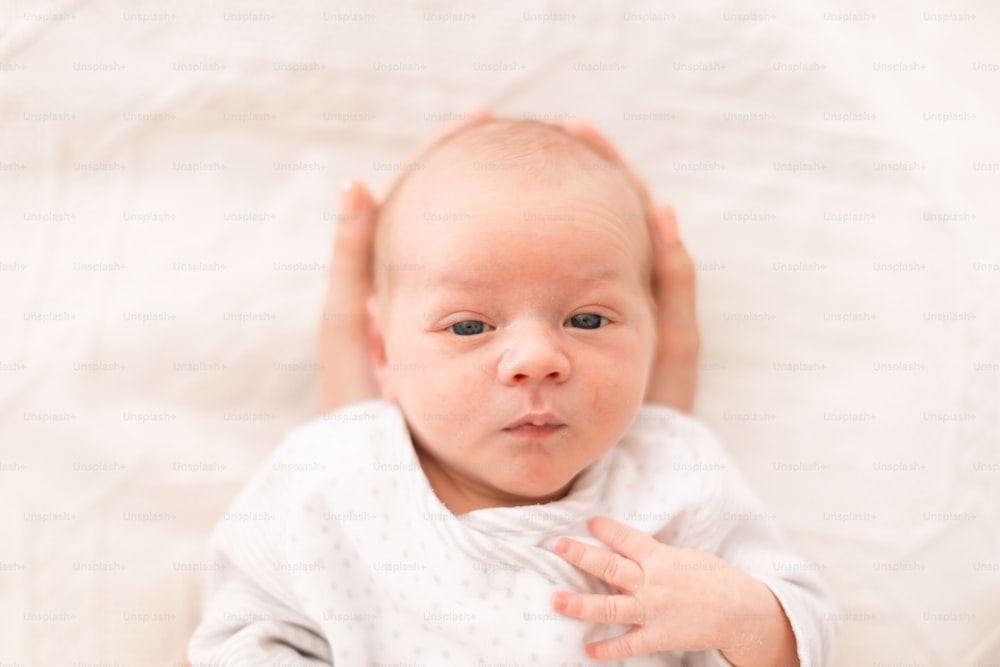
column 674, row 378
column 346, row 374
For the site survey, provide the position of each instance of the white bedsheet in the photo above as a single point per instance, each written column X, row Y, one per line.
column 167, row 193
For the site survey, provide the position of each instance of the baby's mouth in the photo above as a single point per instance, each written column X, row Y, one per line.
column 537, row 425
column 532, row 431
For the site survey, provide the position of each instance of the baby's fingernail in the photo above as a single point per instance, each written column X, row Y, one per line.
column 561, row 546
column 559, row 602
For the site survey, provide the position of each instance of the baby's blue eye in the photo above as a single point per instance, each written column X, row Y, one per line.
column 586, row 321
column 467, row 328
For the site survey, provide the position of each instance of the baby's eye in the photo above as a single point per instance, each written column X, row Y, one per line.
column 467, row 328
column 587, row 321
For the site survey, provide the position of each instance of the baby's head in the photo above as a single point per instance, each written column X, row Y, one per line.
column 513, row 284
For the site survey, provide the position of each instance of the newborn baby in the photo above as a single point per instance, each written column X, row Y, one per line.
column 510, row 501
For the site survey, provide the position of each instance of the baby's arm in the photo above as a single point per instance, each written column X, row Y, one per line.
column 740, row 530
column 249, row 616
column 244, row 625
column 737, row 595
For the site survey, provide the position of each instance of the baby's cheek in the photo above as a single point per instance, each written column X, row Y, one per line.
column 480, row 390
column 618, row 394
column 453, row 392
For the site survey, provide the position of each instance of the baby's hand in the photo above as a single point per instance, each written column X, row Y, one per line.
column 675, row 599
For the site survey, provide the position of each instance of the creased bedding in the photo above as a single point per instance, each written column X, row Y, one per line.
column 167, row 188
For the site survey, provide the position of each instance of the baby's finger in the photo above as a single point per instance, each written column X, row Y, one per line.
column 637, row 641
column 636, row 546
column 606, row 566
column 617, row 609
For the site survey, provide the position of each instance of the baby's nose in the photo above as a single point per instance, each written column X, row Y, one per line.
column 534, row 353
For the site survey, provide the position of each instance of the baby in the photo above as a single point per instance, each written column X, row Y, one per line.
column 511, row 501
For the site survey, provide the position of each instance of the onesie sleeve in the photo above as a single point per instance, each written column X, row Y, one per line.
column 733, row 523
column 250, row 615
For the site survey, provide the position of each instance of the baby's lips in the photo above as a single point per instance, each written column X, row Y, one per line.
column 537, row 419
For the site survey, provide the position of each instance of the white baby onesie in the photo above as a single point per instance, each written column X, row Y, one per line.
column 339, row 552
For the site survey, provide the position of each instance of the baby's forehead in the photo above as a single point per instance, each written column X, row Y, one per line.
column 508, row 170
column 521, row 156
column 526, row 160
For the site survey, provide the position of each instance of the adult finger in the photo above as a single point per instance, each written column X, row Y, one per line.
column 617, row 609
column 674, row 274
column 352, row 247
column 345, row 373
column 674, row 380
column 586, row 133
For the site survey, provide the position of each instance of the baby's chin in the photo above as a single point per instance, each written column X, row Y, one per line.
column 528, row 484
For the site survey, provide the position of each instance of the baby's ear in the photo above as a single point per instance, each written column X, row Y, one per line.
column 376, row 349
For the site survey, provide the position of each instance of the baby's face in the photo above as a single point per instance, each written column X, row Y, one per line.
column 518, row 334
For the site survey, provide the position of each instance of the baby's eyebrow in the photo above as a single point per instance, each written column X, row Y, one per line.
column 483, row 273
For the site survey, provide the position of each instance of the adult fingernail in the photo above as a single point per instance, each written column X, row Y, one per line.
column 666, row 227
column 350, row 196
column 657, row 234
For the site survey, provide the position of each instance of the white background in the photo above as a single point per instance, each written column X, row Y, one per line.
column 167, row 203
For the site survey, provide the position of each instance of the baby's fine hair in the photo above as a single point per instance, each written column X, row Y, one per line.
column 537, row 151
